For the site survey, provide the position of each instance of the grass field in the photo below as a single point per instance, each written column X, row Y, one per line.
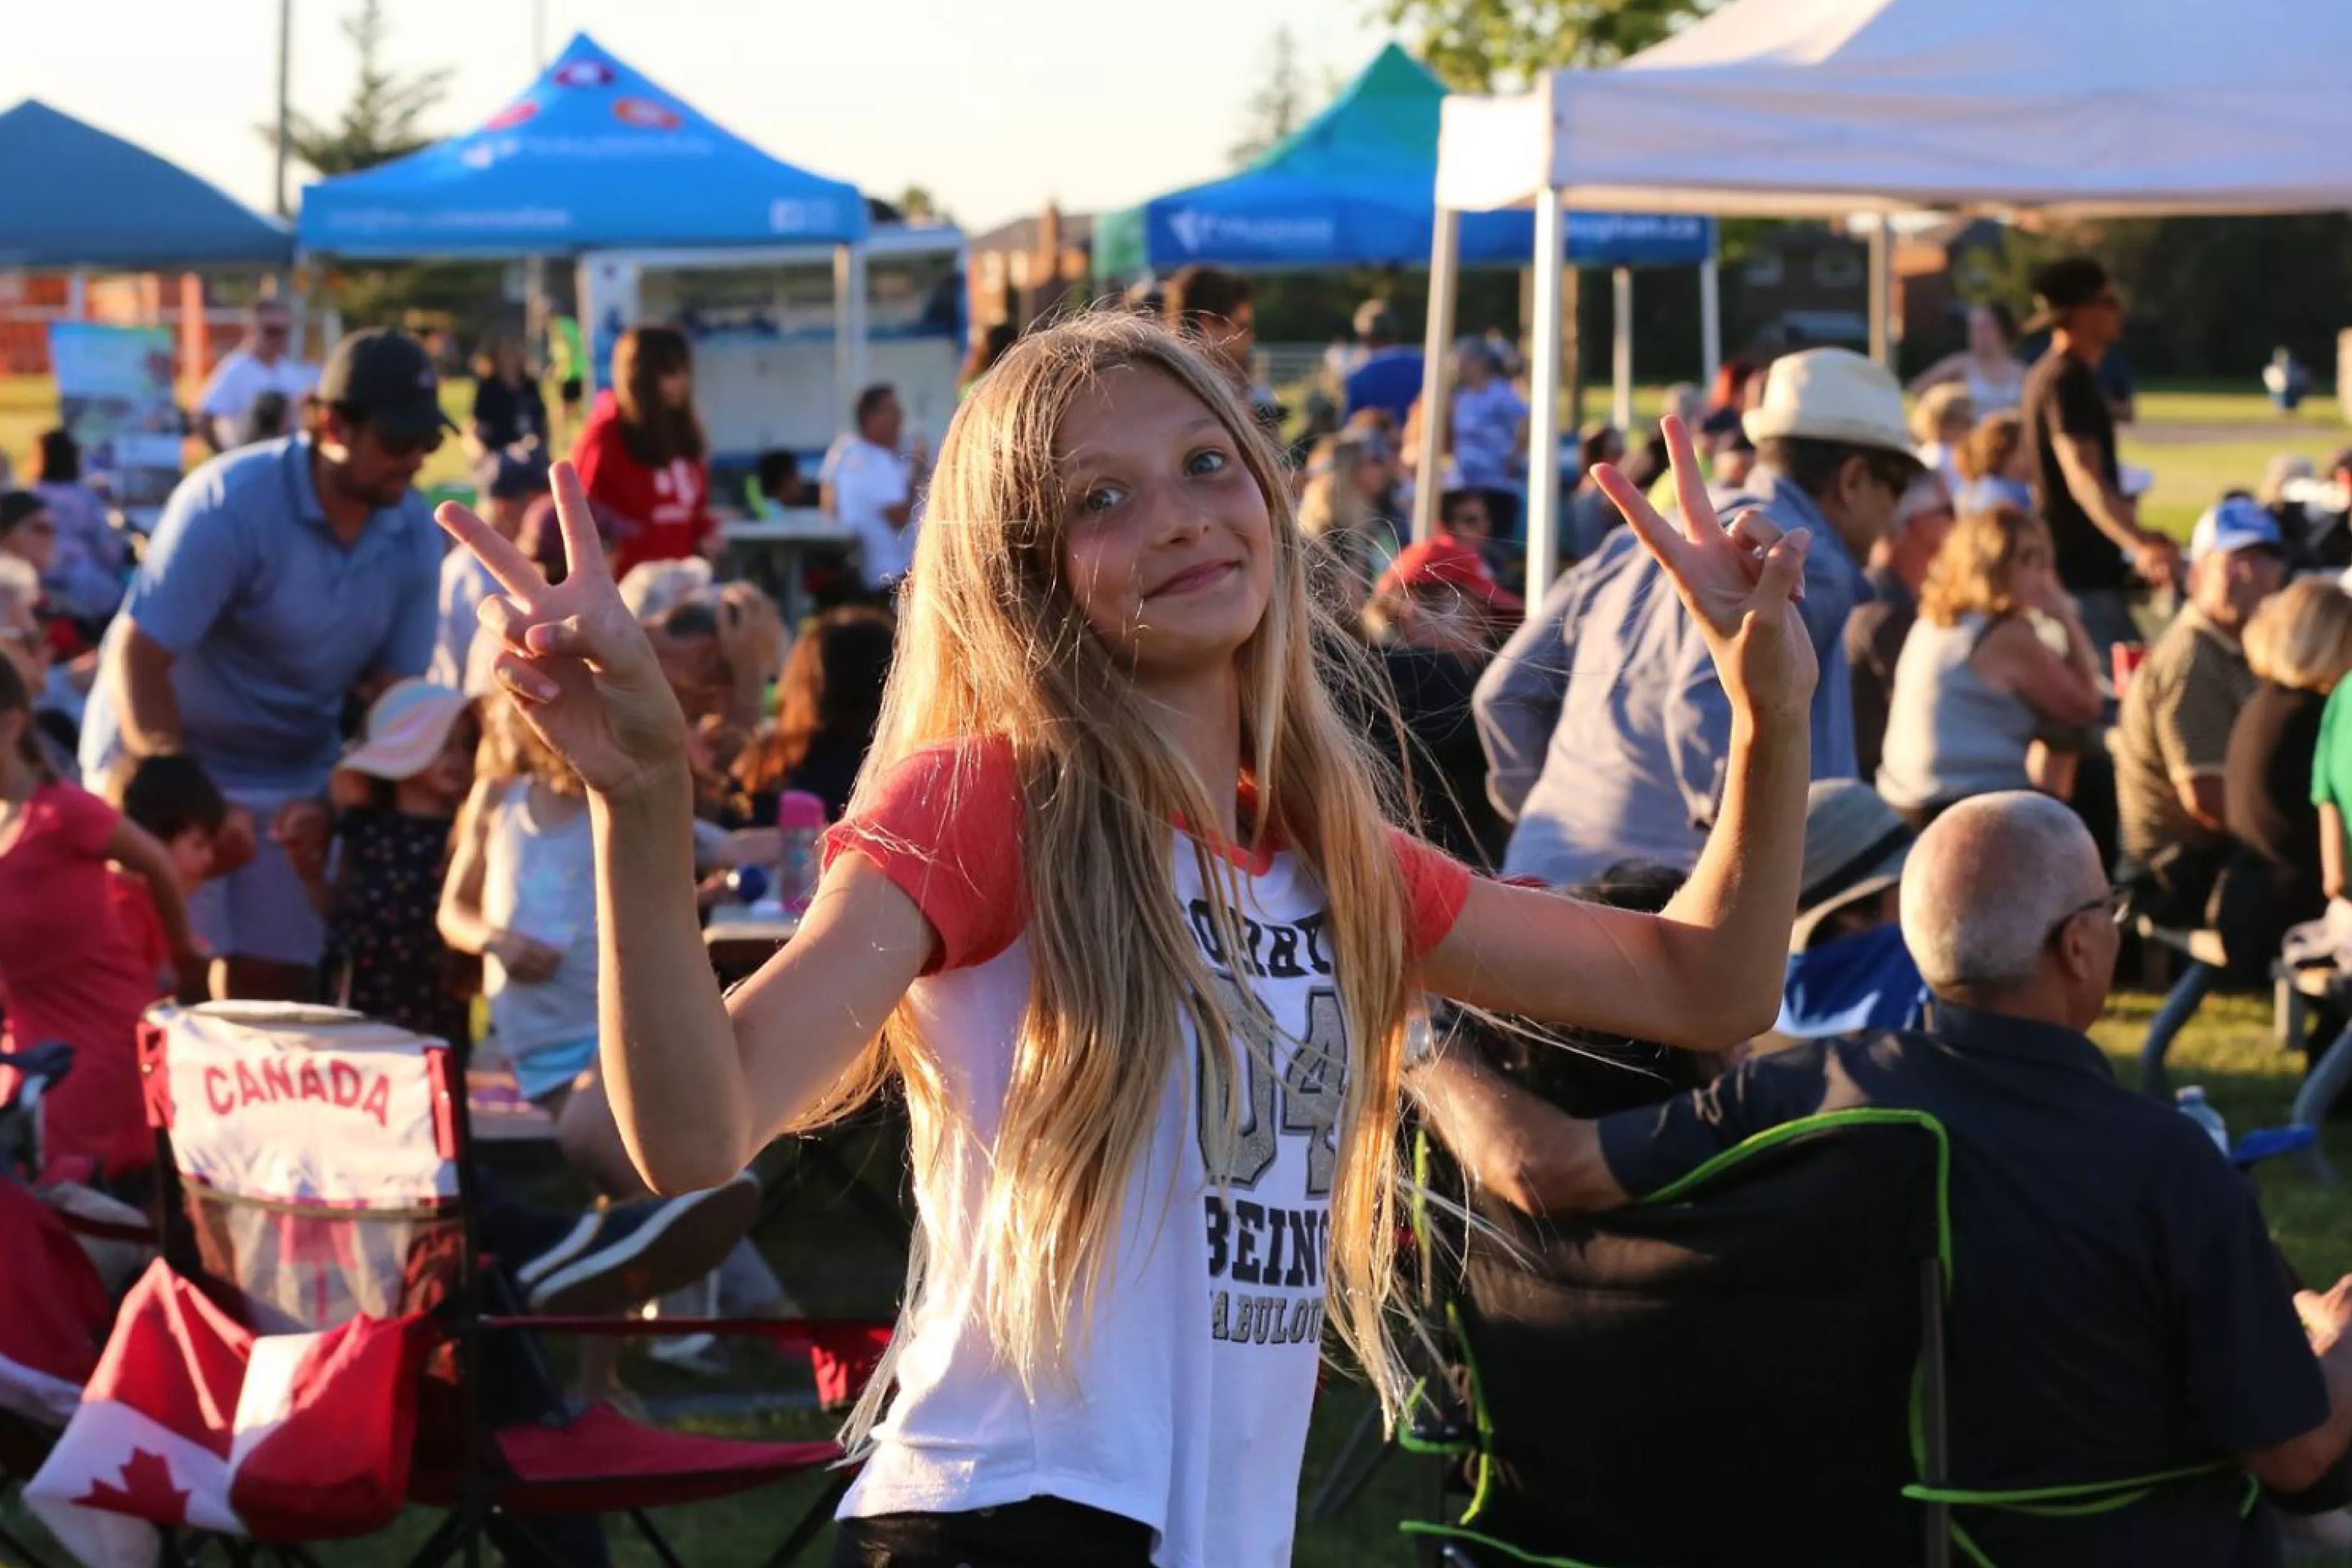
column 2228, row 1050
column 2199, row 441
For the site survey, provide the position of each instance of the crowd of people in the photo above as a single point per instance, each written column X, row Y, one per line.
column 1835, row 724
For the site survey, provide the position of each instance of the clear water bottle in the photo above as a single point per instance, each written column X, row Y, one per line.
column 2198, row 1108
column 800, row 824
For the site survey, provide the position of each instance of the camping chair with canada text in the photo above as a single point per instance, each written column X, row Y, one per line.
column 315, row 1167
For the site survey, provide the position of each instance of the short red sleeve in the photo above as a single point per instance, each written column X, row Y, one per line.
column 84, row 822
column 1436, row 886
column 945, row 827
column 135, row 911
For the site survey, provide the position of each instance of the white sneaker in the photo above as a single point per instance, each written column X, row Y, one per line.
column 698, row 1353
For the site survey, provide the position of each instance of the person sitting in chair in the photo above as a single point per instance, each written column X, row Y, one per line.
column 2116, row 1308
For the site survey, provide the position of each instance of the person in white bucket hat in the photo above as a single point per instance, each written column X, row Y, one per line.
column 1627, row 758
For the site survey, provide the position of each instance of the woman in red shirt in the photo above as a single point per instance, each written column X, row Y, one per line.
column 643, row 455
column 70, row 972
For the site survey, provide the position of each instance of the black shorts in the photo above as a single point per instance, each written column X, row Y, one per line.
column 1043, row 1533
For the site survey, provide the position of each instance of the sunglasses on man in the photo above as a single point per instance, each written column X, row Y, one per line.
column 402, row 447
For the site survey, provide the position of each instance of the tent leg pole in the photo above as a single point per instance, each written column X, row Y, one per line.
column 1543, row 416
column 1710, row 322
column 849, row 348
column 1882, row 290
column 534, row 311
column 1436, row 373
column 1620, row 350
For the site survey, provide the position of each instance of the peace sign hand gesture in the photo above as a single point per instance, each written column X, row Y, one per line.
column 575, row 659
column 1742, row 585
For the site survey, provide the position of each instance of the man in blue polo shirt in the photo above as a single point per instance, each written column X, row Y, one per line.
column 2118, row 1308
column 281, row 579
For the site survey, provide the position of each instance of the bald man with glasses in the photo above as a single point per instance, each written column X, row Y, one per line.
column 2117, row 1307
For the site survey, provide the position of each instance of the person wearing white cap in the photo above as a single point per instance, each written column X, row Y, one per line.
column 2172, row 739
column 1605, row 729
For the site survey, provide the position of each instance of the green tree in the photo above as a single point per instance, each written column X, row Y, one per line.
column 916, row 204
column 1490, row 46
column 385, row 117
column 1276, row 108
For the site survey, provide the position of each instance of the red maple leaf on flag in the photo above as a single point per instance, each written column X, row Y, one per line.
column 146, row 1491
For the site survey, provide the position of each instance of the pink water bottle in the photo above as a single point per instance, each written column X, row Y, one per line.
column 800, row 824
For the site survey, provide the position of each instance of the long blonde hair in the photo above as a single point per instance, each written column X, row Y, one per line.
column 1975, row 570
column 2302, row 635
column 993, row 647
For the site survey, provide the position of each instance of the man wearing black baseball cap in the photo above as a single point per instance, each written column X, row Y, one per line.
column 281, row 578
column 2071, row 431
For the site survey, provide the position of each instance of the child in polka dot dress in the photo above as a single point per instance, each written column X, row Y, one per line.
column 384, row 956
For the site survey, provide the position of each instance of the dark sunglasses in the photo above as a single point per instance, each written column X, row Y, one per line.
column 2111, row 902
column 1892, row 473
column 405, row 446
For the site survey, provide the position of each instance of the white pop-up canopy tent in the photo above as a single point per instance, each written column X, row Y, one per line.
column 1794, row 108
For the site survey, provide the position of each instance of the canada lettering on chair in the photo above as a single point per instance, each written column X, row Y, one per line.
column 340, row 1084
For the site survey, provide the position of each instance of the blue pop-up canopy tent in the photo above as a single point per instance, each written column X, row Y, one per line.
column 1357, row 187
column 595, row 156
column 78, row 197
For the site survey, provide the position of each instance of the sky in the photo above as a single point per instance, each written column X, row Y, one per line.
column 995, row 106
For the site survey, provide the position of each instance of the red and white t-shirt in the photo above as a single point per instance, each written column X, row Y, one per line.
column 1186, row 1406
column 655, row 514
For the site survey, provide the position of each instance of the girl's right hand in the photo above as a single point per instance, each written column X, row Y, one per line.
column 575, row 659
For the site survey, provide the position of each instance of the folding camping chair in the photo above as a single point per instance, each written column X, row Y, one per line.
column 1746, row 1368
column 315, row 1167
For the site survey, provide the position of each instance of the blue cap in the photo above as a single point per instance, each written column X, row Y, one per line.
column 2238, row 523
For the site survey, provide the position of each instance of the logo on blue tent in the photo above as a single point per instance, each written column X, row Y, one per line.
column 1196, row 230
column 645, row 112
column 583, row 73
column 512, row 115
column 787, row 217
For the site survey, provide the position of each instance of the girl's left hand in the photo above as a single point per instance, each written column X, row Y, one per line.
column 1741, row 584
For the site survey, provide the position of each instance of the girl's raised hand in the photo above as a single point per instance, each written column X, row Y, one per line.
column 1741, row 584
column 574, row 657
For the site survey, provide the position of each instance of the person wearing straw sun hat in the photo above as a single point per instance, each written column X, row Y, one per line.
column 1627, row 759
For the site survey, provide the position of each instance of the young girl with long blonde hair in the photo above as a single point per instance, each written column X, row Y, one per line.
column 1117, row 901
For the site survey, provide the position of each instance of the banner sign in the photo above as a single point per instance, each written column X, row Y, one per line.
column 115, row 396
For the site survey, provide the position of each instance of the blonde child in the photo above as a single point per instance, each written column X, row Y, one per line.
column 521, row 892
column 1117, row 901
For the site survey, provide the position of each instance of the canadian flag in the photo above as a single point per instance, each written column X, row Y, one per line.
column 193, row 1420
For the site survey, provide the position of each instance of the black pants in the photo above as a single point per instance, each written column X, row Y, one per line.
column 1043, row 1533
